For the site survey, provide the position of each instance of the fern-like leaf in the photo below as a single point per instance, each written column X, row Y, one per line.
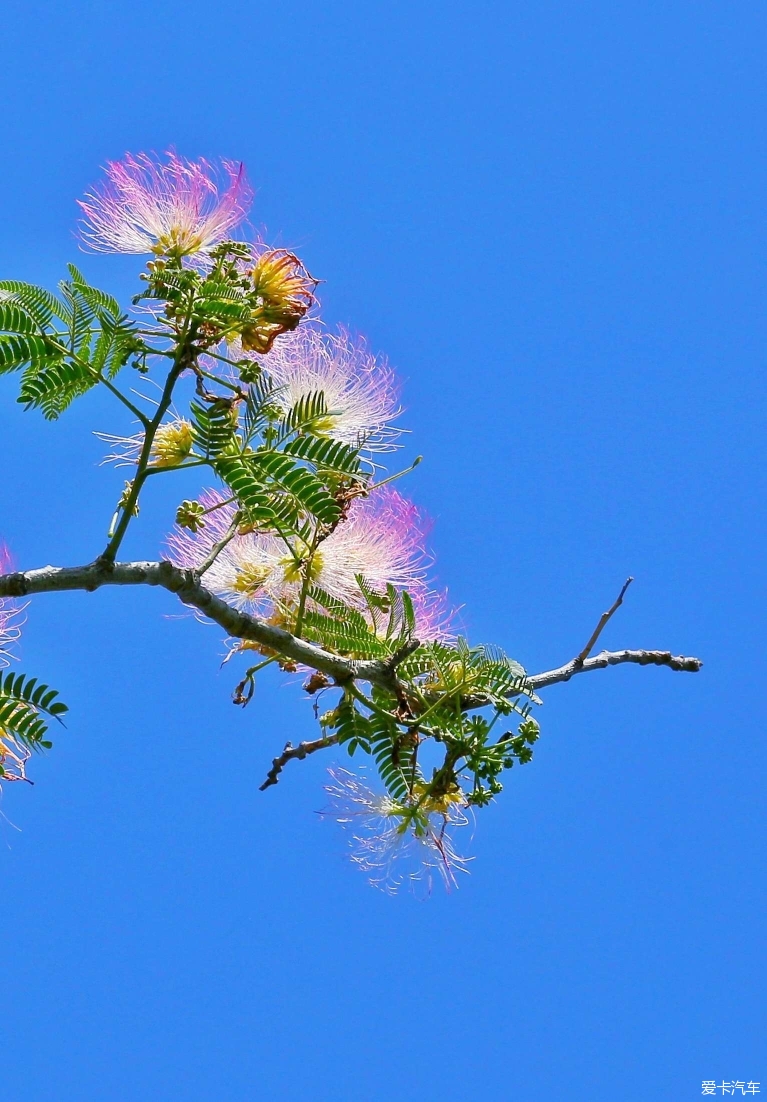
column 19, row 349
column 248, row 489
column 325, row 454
column 14, row 318
column 54, row 387
column 37, row 301
column 105, row 305
column 307, row 490
column 23, row 703
column 212, row 427
column 350, row 636
column 352, row 727
column 393, row 751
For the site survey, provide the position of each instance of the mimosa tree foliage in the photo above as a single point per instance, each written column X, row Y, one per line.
column 302, row 549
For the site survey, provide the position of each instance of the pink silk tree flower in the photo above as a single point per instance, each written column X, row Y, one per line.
column 361, row 392
column 177, row 209
column 382, row 539
column 398, row 842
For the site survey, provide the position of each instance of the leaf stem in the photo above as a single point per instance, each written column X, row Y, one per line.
column 180, row 362
column 217, row 548
column 101, row 379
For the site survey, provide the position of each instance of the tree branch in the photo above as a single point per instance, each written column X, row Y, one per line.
column 185, row 584
column 301, row 751
column 188, row 588
column 615, row 658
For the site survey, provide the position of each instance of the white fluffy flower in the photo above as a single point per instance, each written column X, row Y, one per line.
column 382, row 540
column 397, row 842
column 361, row 392
column 180, row 207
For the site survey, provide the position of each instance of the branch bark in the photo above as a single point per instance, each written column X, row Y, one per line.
column 186, row 585
column 615, row 658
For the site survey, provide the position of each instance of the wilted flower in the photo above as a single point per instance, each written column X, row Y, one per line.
column 361, row 393
column 285, row 291
column 382, row 540
column 172, row 444
column 175, row 209
column 398, row 841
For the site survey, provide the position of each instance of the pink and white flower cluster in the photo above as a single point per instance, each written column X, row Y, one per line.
column 361, row 391
column 386, row 845
column 181, row 207
column 382, row 539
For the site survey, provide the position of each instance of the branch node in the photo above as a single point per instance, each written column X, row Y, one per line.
column 400, row 655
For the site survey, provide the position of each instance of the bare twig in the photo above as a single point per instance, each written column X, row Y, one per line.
column 301, row 751
column 615, row 658
column 603, row 623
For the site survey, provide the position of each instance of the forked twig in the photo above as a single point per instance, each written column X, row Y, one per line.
column 581, row 658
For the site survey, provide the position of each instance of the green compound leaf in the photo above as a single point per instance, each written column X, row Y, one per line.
column 350, row 636
column 354, row 730
column 212, row 428
column 260, row 407
column 18, row 350
column 39, row 303
column 393, row 751
column 100, row 302
column 113, row 348
column 81, row 321
column 54, row 387
column 14, row 318
column 325, row 454
column 23, row 703
column 249, row 490
column 303, row 486
column 306, row 413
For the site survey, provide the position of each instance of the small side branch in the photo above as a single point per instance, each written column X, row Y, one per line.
column 400, row 655
column 615, row 658
column 301, row 751
column 603, row 623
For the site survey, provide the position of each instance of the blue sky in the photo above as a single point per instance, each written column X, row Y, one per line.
column 550, row 217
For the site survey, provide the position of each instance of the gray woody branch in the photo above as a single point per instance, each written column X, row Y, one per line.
column 186, row 585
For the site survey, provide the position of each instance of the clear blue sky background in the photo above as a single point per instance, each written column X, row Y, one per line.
column 551, row 217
